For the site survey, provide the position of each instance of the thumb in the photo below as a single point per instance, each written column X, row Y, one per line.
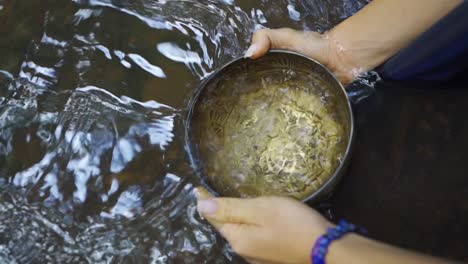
column 312, row 44
column 203, row 195
column 230, row 210
column 265, row 39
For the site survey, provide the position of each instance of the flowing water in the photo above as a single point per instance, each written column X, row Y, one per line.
column 92, row 99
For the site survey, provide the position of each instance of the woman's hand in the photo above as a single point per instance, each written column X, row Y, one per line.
column 361, row 42
column 267, row 229
column 321, row 47
column 273, row 230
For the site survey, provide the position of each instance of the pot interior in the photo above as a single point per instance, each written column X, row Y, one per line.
column 279, row 125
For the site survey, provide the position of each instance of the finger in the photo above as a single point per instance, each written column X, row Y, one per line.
column 265, row 39
column 261, row 44
column 255, row 261
column 232, row 210
column 202, row 194
column 259, row 261
column 239, row 236
column 242, row 238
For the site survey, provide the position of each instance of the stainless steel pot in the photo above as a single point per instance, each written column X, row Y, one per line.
column 277, row 59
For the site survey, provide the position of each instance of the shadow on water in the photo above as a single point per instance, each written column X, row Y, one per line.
column 92, row 95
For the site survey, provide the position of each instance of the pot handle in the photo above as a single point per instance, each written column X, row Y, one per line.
column 362, row 87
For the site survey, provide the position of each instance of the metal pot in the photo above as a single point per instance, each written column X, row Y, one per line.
column 279, row 60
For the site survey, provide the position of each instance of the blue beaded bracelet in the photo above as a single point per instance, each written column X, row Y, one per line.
column 320, row 249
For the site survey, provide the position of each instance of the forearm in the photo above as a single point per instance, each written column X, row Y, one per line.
column 384, row 27
column 354, row 249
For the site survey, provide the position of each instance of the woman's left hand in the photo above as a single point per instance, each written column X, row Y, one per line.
column 266, row 229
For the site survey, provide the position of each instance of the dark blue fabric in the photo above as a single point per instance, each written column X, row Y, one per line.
column 440, row 53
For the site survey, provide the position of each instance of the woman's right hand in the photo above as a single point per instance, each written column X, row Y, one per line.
column 265, row 229
column 321, row 47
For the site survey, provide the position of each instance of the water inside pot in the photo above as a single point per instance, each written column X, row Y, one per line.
column 279, row 125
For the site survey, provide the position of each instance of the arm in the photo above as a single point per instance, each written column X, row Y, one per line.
column 354, row 249
column 363, row 41
column 281, row 230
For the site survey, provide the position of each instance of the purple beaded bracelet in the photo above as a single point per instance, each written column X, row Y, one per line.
column 320, row 250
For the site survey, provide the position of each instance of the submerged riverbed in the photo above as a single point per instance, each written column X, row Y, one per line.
column 92, row 99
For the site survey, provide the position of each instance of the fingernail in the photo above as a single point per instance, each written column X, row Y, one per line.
column 207, row 207
column 197, row 193
column 250, row 52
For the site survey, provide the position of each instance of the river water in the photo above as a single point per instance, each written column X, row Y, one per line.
column 92, row 99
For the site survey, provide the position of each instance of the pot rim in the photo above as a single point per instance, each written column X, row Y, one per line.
column 329, row 184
